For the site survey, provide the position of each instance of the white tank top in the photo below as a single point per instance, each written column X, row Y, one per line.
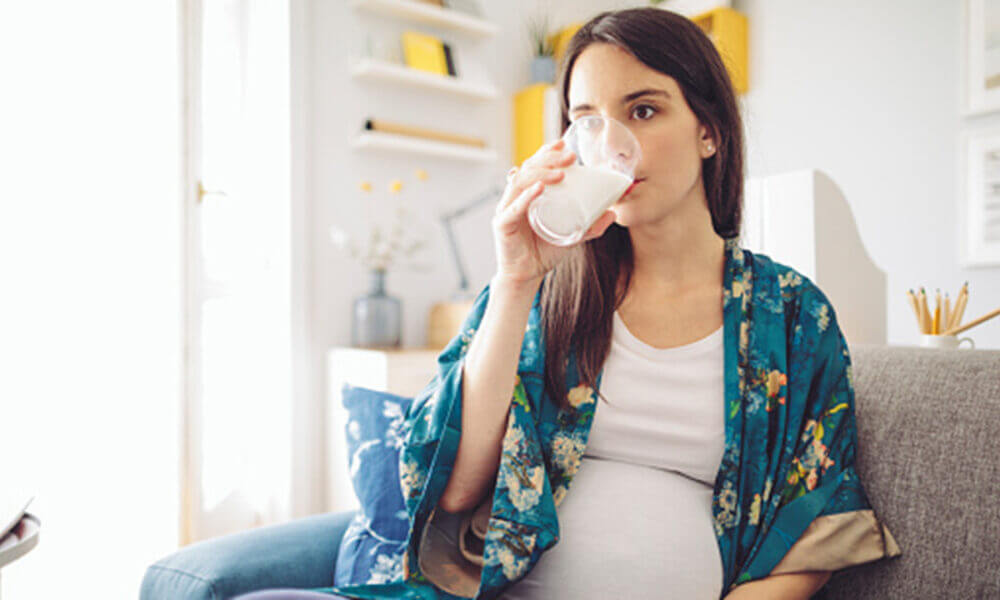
column 637, row 520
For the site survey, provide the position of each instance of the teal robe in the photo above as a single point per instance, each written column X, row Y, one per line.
column 787, row 497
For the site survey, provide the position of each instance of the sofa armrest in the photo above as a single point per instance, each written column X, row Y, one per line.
column 297, row 554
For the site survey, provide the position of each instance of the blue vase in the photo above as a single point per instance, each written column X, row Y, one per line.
column 543, row 69
column 377, row 317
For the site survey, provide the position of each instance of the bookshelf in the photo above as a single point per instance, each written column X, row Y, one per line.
column 429, row 15
column 374, row 70
column 401, row 143
column 368, row 69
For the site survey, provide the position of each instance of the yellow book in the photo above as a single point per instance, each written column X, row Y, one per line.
column 727, row 29
column 424, row 52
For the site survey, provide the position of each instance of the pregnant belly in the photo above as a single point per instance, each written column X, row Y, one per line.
column 629, row 531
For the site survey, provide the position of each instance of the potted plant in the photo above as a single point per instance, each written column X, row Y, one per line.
column 543, row 62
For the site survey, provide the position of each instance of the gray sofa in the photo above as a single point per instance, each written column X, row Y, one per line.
column 929, row 455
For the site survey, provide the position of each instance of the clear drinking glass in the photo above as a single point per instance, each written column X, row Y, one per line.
column 606, row 157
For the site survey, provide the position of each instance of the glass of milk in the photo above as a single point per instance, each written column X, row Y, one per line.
column 606, row 157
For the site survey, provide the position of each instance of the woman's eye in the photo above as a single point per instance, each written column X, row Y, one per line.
column 639, row 108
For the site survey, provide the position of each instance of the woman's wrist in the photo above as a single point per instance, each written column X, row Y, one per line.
column 517, row 287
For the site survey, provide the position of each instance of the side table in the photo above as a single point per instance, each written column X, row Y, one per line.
column 19, row 541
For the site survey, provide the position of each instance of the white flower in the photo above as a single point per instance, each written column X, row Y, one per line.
column 513, row 566
column 566, row 452
column 394, row 433
column 525, row 498
column 513, row 439
column 411, row 477
column 388, row 567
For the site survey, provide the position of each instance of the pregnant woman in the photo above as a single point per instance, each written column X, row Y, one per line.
column 653, row 412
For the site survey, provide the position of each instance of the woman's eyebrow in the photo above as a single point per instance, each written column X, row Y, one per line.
column 627, row 98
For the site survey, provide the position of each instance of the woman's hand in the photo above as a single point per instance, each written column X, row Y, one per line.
column 785, row 586
column 522, row 256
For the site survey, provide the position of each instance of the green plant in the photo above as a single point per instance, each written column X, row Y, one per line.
column 541, row 39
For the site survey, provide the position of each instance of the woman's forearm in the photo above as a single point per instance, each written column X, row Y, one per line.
column 487, row 385
column 786, row 586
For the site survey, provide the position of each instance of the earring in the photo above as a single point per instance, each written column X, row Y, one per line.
column 710, row 147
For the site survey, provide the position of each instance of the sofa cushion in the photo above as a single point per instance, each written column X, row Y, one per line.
column 372, row 548
column 927, row 451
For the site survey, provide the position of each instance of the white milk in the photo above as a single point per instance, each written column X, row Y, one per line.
column 570, row 207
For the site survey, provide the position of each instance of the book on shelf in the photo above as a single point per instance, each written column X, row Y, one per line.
column 428, row 53
column 449, row 60
column 380, row 126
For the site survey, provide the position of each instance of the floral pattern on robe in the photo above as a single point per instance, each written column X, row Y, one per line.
column 787, row 478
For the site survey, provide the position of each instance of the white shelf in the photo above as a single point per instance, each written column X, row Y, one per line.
column 429, row 15
column 371, row 69
column 402, row 143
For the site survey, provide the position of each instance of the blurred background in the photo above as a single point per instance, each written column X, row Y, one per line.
column 203, row 203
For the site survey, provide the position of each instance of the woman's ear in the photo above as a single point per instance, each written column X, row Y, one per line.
column 706, row 142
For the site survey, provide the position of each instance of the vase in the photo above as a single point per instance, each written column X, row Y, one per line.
column 377, row 317
column 543, row 69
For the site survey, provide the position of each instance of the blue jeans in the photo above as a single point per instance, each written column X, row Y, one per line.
column 297, row 555
column 288, row 594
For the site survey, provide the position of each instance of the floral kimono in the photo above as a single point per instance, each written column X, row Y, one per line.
column 787, row 497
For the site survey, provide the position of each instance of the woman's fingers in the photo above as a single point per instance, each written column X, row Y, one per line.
column 524, row 180
column 509, row 219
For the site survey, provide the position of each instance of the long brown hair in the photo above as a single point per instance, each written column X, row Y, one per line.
column 580, row 295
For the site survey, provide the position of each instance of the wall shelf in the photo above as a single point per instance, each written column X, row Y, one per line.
column 379, row 70
column 410, row 145
column 429, row 15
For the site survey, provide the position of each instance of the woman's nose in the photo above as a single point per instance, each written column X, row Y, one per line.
column 618, row 142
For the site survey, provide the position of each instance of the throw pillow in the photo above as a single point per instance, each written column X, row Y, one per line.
column 373, row 545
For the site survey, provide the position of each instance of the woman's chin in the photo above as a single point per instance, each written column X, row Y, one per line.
column 623, row 212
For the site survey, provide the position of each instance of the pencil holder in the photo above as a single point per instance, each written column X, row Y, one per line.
column 948, row 342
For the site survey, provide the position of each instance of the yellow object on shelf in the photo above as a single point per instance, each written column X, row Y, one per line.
column 536, row 119
column 728, row 30
column 424, row 52
column 561, row 38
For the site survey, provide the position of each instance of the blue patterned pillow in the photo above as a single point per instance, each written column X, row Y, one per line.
column 373, row 545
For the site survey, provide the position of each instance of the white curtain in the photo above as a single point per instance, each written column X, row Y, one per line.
column 240, row 390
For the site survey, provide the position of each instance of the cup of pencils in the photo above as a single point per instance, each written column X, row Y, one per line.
column 940, row 328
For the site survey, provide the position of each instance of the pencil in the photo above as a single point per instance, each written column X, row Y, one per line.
column 936, row 329
column 913, row 304
column 925, row 313
column 947, row 312
column 960, row 303
column 971, row 324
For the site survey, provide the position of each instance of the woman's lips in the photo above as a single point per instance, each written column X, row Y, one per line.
column 631, row 187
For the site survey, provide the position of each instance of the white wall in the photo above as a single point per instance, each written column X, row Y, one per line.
column 90, row 273
column 869, row 92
